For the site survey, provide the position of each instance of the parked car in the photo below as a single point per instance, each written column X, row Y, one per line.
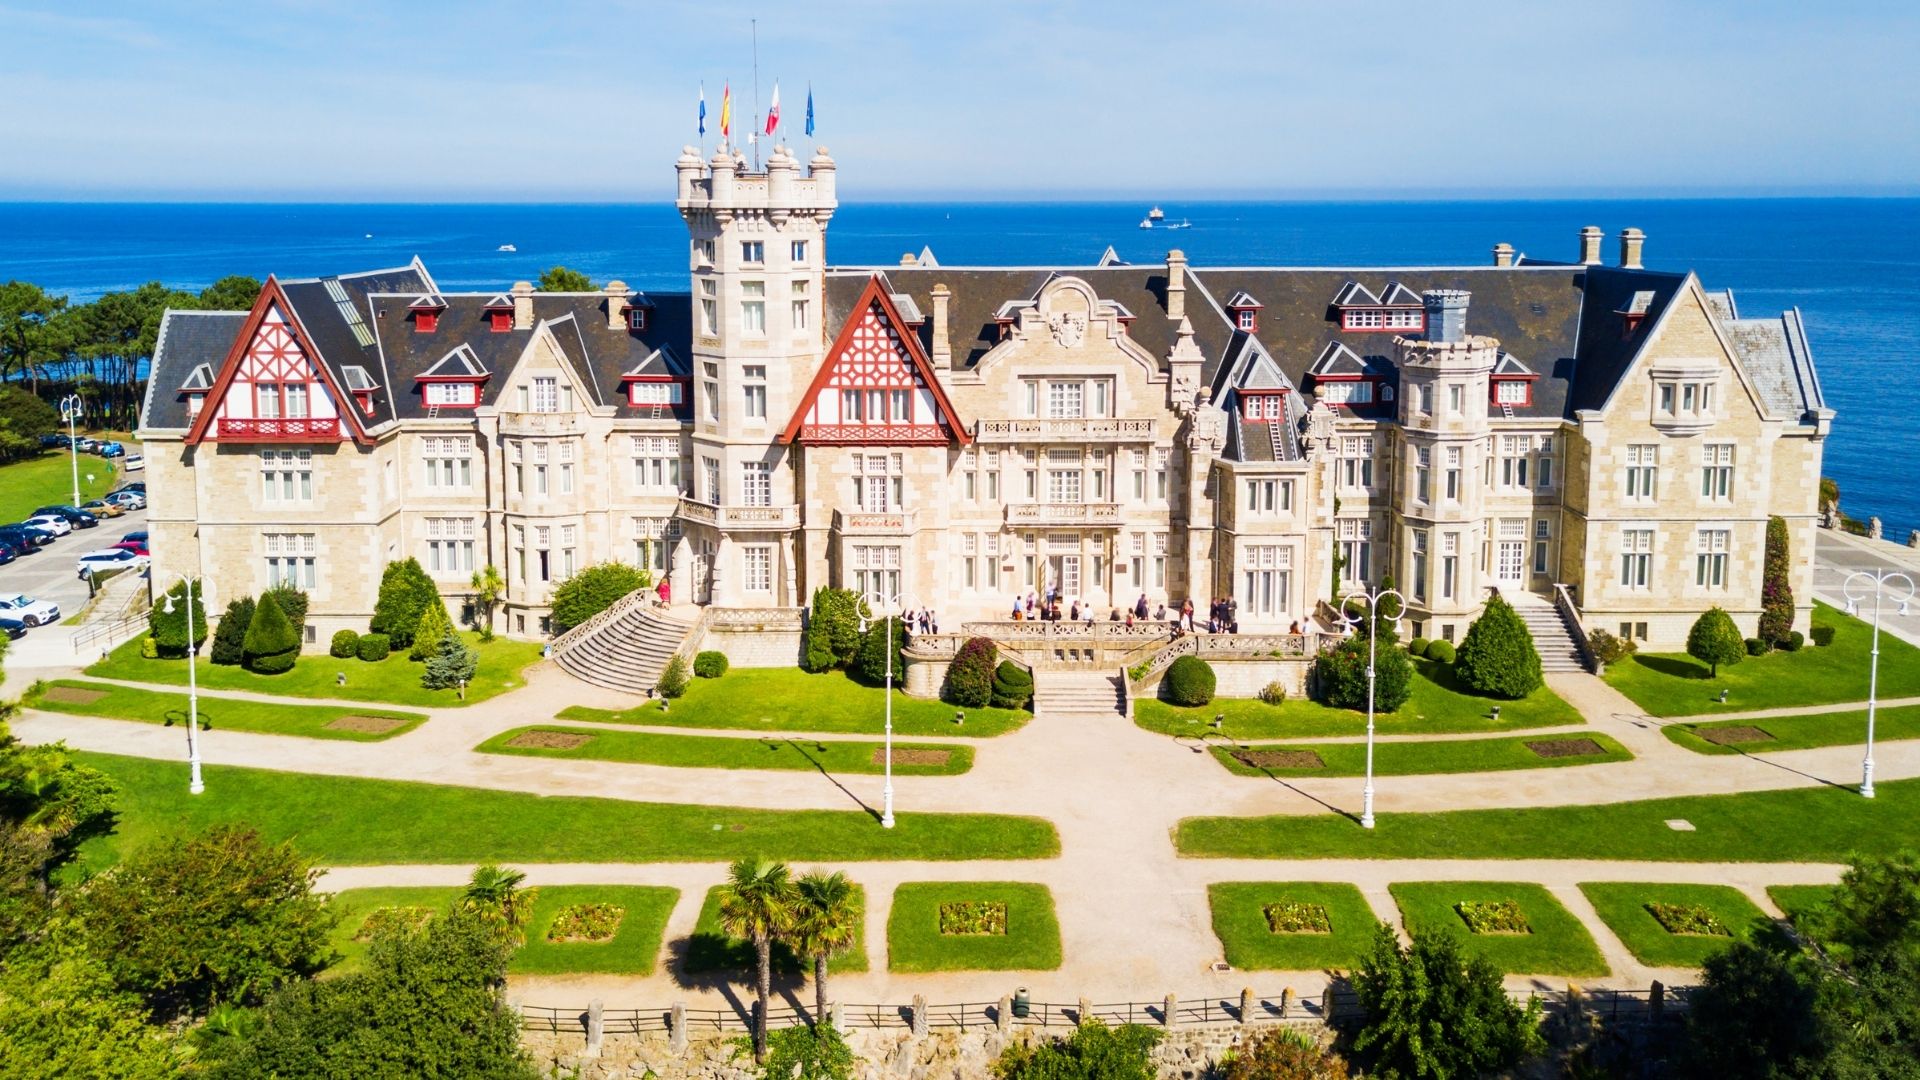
column 134, row 463
column 85, row 446
column 110, row 449
column 138, row 547
column 25, row 537
column 137, row 534
column 8, row 552
column 13, row 628
column 113, row 558
column 138, row 487
column 103, row 508
column 50, row 441
column 52, row 523
column 127, row 500
column 28, row 610
column 74, row 516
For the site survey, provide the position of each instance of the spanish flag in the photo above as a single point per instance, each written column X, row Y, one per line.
column 726, row 109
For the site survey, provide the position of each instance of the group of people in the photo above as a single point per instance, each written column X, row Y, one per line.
column 1222, row 615
column 922, row 621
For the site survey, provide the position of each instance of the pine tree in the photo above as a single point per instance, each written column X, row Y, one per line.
column 434, row 627
column 818, row 654
column 1776, row 592
column 271, row 643
column 1498, row 657
column 1714, row 640
column 452, row 664
column 405, row 592
column 230, row 637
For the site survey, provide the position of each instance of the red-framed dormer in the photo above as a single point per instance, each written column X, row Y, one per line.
column 454, row 381
column 1510, row 384
column 361, row 384
column 1343, row 378
column 877, row 387
column 1245, row 311
column 499, row 312
column 272, row 386
column 660, row 382
column 426, row 312
column 1263, row 405
column 1397, row 311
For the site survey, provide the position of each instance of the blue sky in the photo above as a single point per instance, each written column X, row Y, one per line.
column 560, row 100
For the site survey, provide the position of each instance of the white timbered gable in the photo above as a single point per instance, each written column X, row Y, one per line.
column 874, row 389
column 276, row 392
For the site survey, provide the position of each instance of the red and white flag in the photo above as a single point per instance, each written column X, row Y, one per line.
column 773, row 110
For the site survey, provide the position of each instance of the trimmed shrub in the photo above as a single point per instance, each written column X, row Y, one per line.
column 1189, row 681
column 1776, row 594
column 373, row 648
column 870, row 664
column 169, row 629
column 1795, row 641
column 592, row 591
column 1273, row 694
column 1609, row 649
column 405, row 592
column 1757, row 647
column 1714, row 640
column 674, row 679
column 1340, row 675
column 451, row 664
column 1822, row 635
column 710, row 664
column 1418, row 646
column 293, row 604
column 345, row 645
column 1497, row 656
column 149, row 648
column 1440, row 651
column 970, row 676
column 434, row 626
column 1012, row 686
column 271, row 644
column 230, row 637
column 833, row 630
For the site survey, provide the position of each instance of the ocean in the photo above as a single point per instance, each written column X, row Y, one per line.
column 1851, row 265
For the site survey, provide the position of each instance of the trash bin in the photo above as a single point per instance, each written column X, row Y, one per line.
column 1021, row 1003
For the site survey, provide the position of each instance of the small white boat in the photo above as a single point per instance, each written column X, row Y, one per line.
column 506, row 247
column 1183, row 223
column 1156, row 214
column 1146, row 223
column 369, row 236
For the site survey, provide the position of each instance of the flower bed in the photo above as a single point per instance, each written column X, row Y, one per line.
column 1297, row 918
column 973, row 917
column 586, row 922
column 1493, row 917
column 1687, row 919
column 409, row 919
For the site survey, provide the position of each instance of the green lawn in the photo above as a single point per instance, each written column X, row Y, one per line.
column 1437, row 706
column 915, row 943
column 1675, row 684
column 1623, row 904
column 1417, row 758
column 788, row 699
column 1811, row 824
column 351, row 821
column 1251, row 944
column 726, row 752
column 1557, row 945
column 1800, row 901
column 169, row 707
column 1802, row 732
column 710, row 949
column 28, row 485
column 395, row 680
column 632, row 951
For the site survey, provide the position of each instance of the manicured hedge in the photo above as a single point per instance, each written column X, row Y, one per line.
column 970, row 675
column 373, row 647
column 1190, row 681
column 1012, row 686
column 710, row 664
column 345, row 644
column 1440, row 651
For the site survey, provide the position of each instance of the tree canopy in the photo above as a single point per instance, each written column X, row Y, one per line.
column 561, row 279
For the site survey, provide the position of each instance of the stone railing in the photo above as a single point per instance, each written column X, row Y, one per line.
column 574, row 635
column 739, row 517
column 1063, row 514
column 280, row 429
column 1563, row 600
column 1223, row 647
column 1063, row 630
column 767, row 618
column 1091, row 428
column 540, row 423
column 876, row 523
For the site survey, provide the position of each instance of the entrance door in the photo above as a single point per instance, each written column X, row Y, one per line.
column 703, row 571
column 1511, row 565
column 1069, row 576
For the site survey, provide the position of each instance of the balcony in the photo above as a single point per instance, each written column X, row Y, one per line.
column 306, row 429
column 1084, row 429
column 540, row 423
column 1063, row 514
column 744, row 518
column 865, row 523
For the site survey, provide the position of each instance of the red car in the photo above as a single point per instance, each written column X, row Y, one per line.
column 135, row 546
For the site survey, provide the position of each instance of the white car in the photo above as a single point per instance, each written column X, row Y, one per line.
column 99, row 562
column 52, row 523
column 128, row 500
column 28, row 610
column 133, row 463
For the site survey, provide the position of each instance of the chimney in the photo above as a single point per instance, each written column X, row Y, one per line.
column 942, row 349
column 909, row 259
column 617, row 293
column 1631, row 241
column 1590, row 245
column 1503, row 254
column 523, row 305
column 1176, row 285
column 1446, row 314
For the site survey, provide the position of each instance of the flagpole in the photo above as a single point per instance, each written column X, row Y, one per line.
column 754, row 135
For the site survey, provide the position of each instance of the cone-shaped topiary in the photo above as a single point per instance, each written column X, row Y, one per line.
column 293, row 604
column 1714, row 640
column 870, row 665
column 1497, row 656
column 271, row 643
column 970, row 675
column 434, row 625
column 1012, row 686
column 1189, row 681
column 1776, row 592
column 451, row 664
column 230, row 637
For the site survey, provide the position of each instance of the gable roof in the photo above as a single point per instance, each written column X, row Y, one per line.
column 460, row 363
column 1354, row 294
column 877, row 294
column 1775, row 356
column 272, row 296
column 187, row 351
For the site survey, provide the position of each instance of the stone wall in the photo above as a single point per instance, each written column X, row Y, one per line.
column 753, row 647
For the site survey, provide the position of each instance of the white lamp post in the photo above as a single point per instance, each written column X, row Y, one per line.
column 1373, row 597
column 892, row 606
column 194, row 784
column 1855, row 588
column 70, row 411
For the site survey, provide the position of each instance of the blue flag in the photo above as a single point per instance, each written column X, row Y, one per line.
column 809, row 111
column 703, row 109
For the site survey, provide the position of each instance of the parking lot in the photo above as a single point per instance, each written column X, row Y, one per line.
column 51, row 574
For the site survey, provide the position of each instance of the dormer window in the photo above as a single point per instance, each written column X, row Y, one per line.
column 1348, row 392
column 452, row 393
column 1512, row 392
column 1410, row 320
column 1635, row 312
column 453, row 382
column 655, row 392
column 426, row 313
column 1246, row 311
column 1512, row 382
column 636, row 318
column 1264, row 405
column 499, row 311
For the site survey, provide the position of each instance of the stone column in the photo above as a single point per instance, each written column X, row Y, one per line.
column 1246, row 1005
column 840, row 1017
column 1086, row 1012
column 1170, row 1012
column 1003, row 1015
column 677, row 1027
column 596, row 1026
column 917, row 1017
column 1286, row 1003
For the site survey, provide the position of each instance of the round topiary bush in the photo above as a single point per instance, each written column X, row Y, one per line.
column 1756, row 647
column 1795, row 641
column 1497, row 656
column 1714, row 640
column 1012, row 686
column 345, row 645
column 1189, row 681
column 1418, row 646
column 970, row 676
column 1440, row 650
column 373, row 647
column 710, row 664
column 1273, row 694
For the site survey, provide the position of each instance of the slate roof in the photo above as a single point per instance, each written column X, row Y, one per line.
column 1775, row 355
column 1605, row 352
column 187, row 340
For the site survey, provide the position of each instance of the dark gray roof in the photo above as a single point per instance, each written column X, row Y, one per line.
column 336, row 314
column 1775, row 355
column 188, row 339
column 1605, row 349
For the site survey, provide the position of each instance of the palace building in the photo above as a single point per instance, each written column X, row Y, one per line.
column 1609, row 439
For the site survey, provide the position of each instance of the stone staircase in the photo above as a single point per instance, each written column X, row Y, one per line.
column 1551, row 635
column 625, row 652
column 1077, row 694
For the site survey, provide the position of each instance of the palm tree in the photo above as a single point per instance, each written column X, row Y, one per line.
column 825, row 921
column 488, row 588
column 495, row 894
column 756, row 903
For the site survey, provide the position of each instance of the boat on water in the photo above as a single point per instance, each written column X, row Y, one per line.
column 1156, row 214
column 1183, row 223
column 506, row 247
column 1146, row 223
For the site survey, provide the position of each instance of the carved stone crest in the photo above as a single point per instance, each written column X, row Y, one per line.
column 1069, row 328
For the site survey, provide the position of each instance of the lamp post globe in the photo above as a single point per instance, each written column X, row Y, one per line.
column 1353, row 621
column 1881, row 585
column 195, row 784
column 70, row 412
column 871, row 602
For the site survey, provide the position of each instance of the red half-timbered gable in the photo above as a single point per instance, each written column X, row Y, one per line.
column 876, row 386
column 271, row 388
